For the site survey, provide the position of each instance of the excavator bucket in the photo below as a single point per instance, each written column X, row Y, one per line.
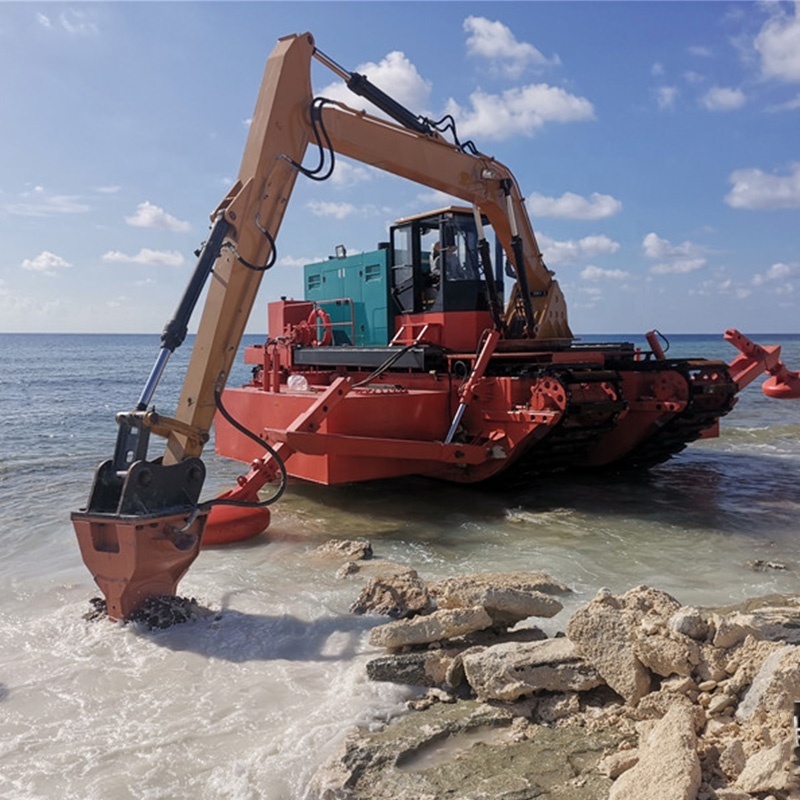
column 141, row 529
column 134, row 559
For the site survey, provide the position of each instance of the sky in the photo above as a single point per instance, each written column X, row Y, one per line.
column 657, row 146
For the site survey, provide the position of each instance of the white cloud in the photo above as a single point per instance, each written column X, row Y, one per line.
column 690, row 76
column 150, row 216
column 107, row 189
column 496, row 42
column 22, row 311
column 778, row 43
column 675, row 259
column 754, row 189
column 711, row 288
column 592, row 273
column 657, row 248
column 777, row 272
column 699, row 50
column 723, row 98
column 678, row 267
column 395, row 75
column 521, row 110
column 38, row 202
column 73, row 21
column 347, row 174
column 295, row 262
column 435, row 199
column 325, row 208
column 46, row 263
column 666, row 97
column 570, row 251
column 657, row 70
column 165, row 258
column 78, row 23
column 573, row 206
column 789, row 105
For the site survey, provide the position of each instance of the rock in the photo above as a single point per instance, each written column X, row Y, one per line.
column 466, row 751
column 727, row 674
column 648, row 602
column 690, row 622
column 347, row 569
column 679, row 685
column 553, row 707
column 779, row 623
column 767, row 770
column 522, row 581
column 431, row 698
column 615, row 764
column 375, row 568
column 397, row 597
column 732, row 759
column 760, row 565
column 668, row 766
column 604, row 633
column 655, row 705
column 164, row 611
column 713, row 663
column 509, row 671
column 774, row 688
column 492, row 636
column 719, row 702
column 772, row 619
column 479, row 641
column 427, row 668
column 732, row 629
column 667, row 653
column 506, row 606
column 344, row 549
column 509, row 598
column 435, row 627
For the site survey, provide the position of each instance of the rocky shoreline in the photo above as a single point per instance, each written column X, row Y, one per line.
column 639, row 697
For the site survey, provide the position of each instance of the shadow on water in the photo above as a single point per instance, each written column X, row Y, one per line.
column 699, row 489
column 236, row 636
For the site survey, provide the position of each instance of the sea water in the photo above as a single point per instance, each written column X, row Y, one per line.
column 249, row 701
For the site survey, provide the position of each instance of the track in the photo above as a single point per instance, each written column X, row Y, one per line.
column 711, row 395
column 585, row 420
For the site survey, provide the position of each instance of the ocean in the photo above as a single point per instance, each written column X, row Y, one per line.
column 249, row 701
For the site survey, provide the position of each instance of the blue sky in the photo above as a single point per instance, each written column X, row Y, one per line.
column 657, row 146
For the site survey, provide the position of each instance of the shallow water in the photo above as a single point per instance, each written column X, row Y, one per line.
column 248, row 701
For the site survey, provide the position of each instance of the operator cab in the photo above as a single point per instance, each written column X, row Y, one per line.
column 435, row 265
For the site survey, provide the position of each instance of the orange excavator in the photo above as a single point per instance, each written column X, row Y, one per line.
column 464, row 388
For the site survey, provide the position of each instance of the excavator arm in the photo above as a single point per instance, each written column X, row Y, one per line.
column 143, row 524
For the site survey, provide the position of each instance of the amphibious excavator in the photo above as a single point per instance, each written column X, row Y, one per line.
column 402, row 361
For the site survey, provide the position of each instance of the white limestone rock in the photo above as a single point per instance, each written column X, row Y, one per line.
column 668, row 766
column 436, row 627
column 509, row 671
